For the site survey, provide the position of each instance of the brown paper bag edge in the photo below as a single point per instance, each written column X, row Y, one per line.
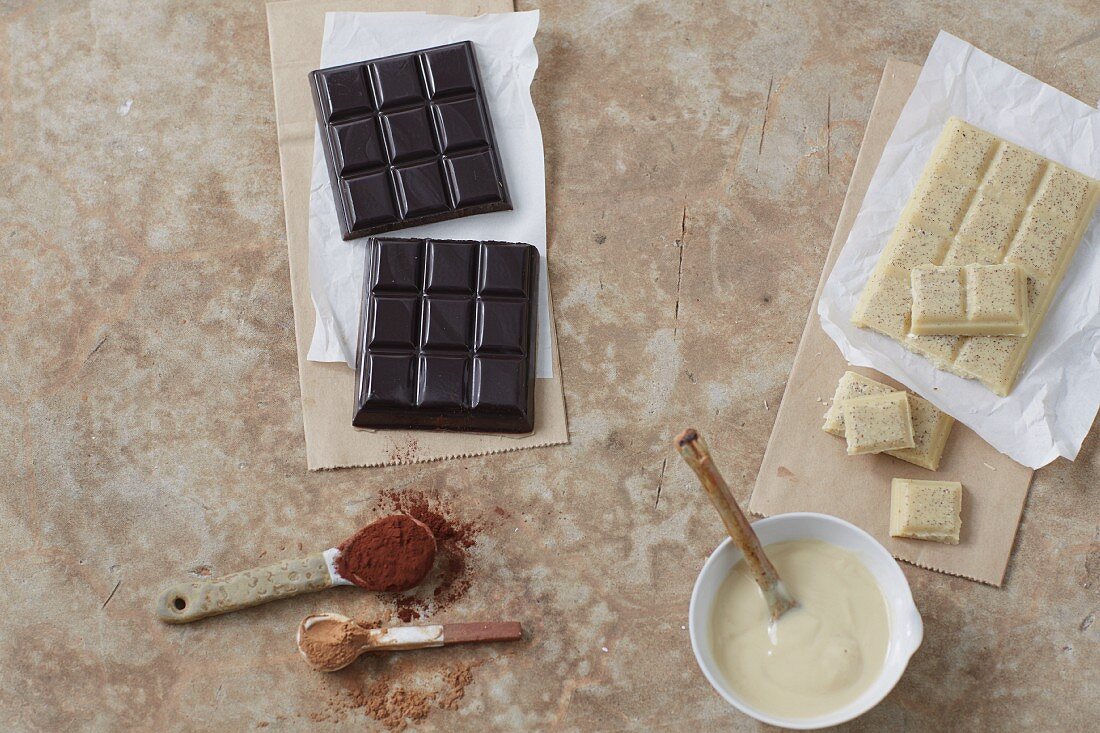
column 891, row 81
column 295, row 28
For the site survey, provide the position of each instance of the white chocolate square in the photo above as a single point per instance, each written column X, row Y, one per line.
column 963, row 151
column 991, row 359
column 1013, row 174
column 996, row 298
column 941, row 204
column 885, row 306
column 878, row 423
column 990, row 224
column 850, row 385
column 940, row 350
column 926, row 510
column 964, row 252
column 912, row 246
column 1039, row 246
column 1062, row 195
column 931, row 427
column 939, row 297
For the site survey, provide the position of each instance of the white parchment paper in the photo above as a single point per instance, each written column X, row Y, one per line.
column 1057, row 394
column 506, row 57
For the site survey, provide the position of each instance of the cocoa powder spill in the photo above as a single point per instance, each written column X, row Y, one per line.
column 397, row 700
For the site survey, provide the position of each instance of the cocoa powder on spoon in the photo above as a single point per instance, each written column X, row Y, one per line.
column 391, row 554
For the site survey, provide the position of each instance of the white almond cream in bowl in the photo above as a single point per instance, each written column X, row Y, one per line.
column 829, row 660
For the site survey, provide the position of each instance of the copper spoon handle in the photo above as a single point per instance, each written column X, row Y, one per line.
column 694, row 452
column 361, row 640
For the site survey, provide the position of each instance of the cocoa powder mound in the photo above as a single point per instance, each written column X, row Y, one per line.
column 391, row 554
column 454, row 538
column 329, row 642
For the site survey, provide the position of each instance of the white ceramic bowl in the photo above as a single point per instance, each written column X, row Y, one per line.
column 906, row 628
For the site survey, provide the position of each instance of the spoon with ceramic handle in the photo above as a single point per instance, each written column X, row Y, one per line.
column 400, row 534
column 694, row 451
column 330, row 642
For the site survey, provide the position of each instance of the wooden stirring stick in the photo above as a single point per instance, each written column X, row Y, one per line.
column 694, row 451
column 331, row 641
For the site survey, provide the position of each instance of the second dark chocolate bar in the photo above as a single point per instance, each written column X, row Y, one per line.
column 408, row 140
column 447, row 336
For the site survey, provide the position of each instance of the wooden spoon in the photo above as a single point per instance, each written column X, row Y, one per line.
column 183, row 603
column 330, row 641
column 694, row 451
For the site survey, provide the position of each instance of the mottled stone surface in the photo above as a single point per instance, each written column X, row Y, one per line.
column 697, row 157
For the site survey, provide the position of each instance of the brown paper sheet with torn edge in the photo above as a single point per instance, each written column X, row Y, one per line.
column 806, row 469
column 295, row 29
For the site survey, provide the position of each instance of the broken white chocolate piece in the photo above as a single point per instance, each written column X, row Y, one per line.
column 976, row 300
column 850, row 385
column 980, row 200
column 926, row 510
column 878, row 423
column 931, row 426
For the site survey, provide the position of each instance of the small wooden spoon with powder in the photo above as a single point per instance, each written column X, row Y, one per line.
column 330, row 642
column 391, row 554
column 694, row 451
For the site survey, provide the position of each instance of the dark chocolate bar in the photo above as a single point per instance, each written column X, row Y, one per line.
column 408, row 140
column 447, row 336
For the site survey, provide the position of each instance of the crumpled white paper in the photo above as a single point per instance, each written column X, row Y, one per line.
column 1055, row 400
column 506, row 57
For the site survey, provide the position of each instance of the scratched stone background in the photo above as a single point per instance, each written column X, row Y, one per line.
column 697, row 157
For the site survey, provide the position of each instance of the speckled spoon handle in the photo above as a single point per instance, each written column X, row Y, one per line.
column 186, row 602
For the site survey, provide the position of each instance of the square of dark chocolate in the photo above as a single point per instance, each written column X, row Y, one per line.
column 472, row 179
column 395, row 323
column 397, row 81
column 357, row 146
column 501, row 326
column 372, row 197
column 444, row 382
column 416, row 123
column 395, row 267
column 447, row 336
column 500, row 386
column 343, row 92
column 452, row 267
column 420, row 190
column 504, row 271
column 449, row 70
column 409, row 135
column 461, row 125
column 447, row 323
column 388, row 380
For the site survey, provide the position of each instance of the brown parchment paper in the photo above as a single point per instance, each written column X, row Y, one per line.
column 295, row 29
column 806, row 469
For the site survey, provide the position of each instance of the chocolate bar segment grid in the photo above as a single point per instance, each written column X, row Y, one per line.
column 408, row 140
column 447, row 336
column 980, row 200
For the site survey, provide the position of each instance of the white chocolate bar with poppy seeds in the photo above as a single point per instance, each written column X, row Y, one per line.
column 971, row 300
column 980, row 200
column 931, row 426
column 926, row 510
